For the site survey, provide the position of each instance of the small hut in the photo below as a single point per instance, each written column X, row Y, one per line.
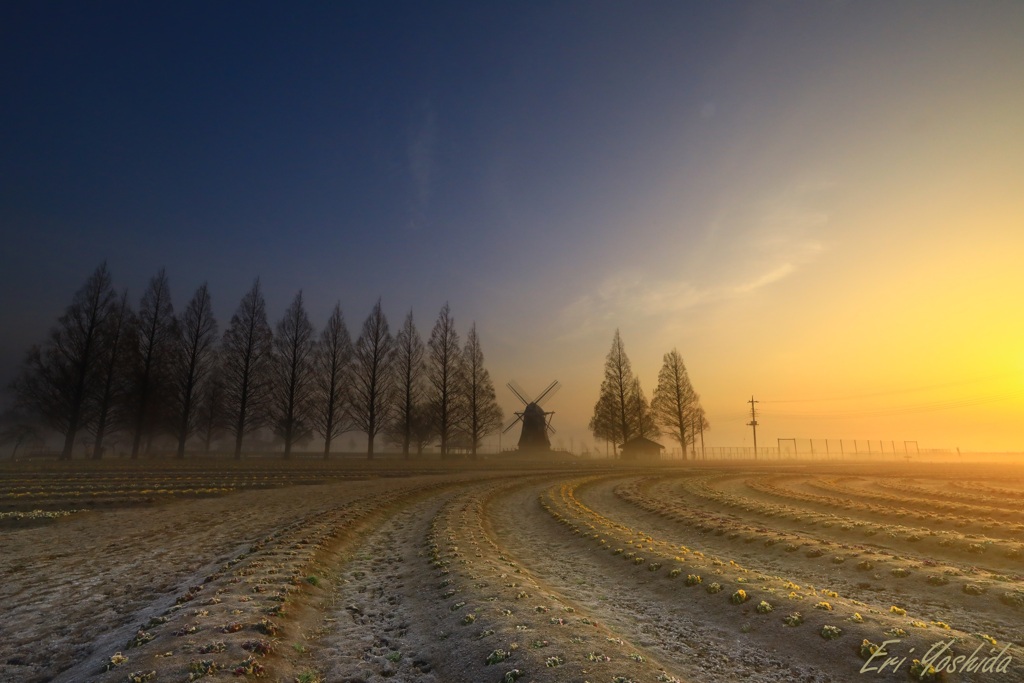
column 641, row 448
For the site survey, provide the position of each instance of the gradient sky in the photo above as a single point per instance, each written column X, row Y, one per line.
column 820, row 204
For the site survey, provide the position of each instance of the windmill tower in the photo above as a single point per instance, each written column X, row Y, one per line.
column 536, row 422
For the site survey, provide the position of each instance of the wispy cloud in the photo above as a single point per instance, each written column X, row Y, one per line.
column 772, row 242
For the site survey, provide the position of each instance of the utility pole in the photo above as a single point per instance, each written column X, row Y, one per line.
column 753, row 422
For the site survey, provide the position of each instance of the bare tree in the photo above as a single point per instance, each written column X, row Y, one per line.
column 409, row 352
column 423, row 431
column 332, row 363
column 246, row 357
column 58, row 382
column 194, row 362
column 18, row 430
column 117, row 339
column 156, row 333
column 443, row 364
column 294, row 347
column 640, row 412
column 373, row 377
column 675, row 401
column 211, row 413
column 483, row 415
column 611, row 419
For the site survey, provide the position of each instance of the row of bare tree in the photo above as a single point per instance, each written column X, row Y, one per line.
column 149, row 374
column 623, row 413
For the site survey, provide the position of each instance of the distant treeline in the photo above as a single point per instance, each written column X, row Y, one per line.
column 149, row 376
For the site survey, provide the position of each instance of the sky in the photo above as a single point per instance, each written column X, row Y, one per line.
column 819, row 204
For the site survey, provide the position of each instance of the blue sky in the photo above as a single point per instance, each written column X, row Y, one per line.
column 701, row 175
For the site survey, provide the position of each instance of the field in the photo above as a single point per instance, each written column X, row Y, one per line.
column 575, row 571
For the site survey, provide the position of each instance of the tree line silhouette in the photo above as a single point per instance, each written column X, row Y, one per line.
column 108, row 370
column 622, row 411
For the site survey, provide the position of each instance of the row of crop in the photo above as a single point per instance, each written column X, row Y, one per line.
column 831, row 556
column 495, row 612
column 237, row 617
column 735, row 585
column 1000, row 492
column 902, row 505
column 942, row 490
column 45, row 486
column 969, row 543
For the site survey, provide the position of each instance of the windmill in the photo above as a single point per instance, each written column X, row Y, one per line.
column 536, row 422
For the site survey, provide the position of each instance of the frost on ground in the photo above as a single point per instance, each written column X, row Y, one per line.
column 583, row 573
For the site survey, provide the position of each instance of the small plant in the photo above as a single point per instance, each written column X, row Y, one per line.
column 739, row 597
column 267, row 627
column 636, row 657
column 764, row 607
column 675, row 573
column 823, row 605
column 865, row 565
column 987, row 638
column 309, row 676
column 469, row 618
column 512, row 676
column 213, row 648
column 250, row 666
column 394, row 656
column 496, row 656
column 693, row 579
column 141, row 676
column 1014, row 598
column 972, row 589
column 552, row 662
column 198, row 668
column 900, row 573
column 116, row 659
column 141, row 638
column 937, row 580
column 867, row 648
column 920, row 671
column 831, row 632
column 898, row 611
column 857, row 618
column 714, row 587
column 794, row 619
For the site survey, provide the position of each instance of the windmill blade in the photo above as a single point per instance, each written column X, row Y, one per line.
column 548, row 422
column 519, row 416
column 549, row 392
column 515, row 388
